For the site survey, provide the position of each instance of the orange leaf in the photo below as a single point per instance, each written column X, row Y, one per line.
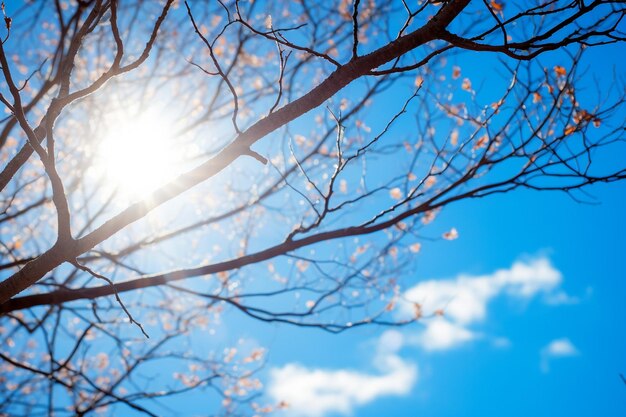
column 481, row 142
column 560, row 71
column 456, row 72
column 430, row 181
column 498, row 7
column 569, row 130
column 467, row 84
column 582, row 116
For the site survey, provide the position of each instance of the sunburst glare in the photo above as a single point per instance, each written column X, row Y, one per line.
column 138, row 155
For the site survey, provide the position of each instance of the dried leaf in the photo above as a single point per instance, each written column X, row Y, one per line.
column 456, row 72
column 560, row 71
column 497, row 7
column 569, row 130
column 481, row 142
column 416, row 247
column 451, row 235
column 467, row 84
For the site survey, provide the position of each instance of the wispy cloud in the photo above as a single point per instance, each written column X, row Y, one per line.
column 558, row 348
column 313, row 392
column 561, row 297
column 465, row 298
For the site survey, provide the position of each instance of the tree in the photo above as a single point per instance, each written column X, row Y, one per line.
column 267, row 147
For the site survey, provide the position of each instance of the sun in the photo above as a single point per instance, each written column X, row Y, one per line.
column 137, row 155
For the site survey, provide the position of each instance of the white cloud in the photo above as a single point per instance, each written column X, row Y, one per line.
column 465, row 298
column 442, row 334
column 561, row 347
column 558, row 348
column 317, row 392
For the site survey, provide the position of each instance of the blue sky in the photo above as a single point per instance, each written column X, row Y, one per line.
column 507, row 369
column 557, row 349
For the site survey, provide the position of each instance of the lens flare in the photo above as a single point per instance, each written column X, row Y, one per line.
column 137, row 156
